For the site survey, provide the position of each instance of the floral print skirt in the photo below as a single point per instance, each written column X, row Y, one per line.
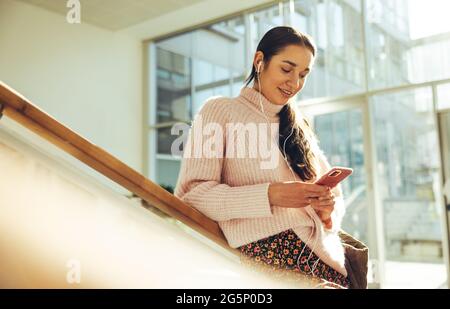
column 279, row 255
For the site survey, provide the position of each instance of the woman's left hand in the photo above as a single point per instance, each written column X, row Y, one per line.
column 324, row 206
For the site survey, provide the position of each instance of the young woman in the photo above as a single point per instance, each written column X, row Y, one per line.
column 266, row 203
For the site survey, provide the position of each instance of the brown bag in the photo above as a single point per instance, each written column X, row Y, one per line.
column 356, row 260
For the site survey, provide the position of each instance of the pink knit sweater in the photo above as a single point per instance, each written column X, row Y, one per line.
column 233, row 189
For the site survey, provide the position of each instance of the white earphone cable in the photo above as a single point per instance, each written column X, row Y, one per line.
column 293, row 176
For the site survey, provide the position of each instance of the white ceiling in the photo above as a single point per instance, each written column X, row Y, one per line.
column 116, row 14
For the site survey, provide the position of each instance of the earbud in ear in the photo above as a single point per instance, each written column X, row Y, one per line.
column 259, row 67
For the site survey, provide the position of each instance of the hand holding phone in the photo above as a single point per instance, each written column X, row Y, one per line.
column 331, row 179
column 334, row 176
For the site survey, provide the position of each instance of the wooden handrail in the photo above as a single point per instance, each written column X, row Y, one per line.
column 21, row 110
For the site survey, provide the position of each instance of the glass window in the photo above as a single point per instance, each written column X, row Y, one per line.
column 341, row 139
column 217, row 66
column 408, row 167
column 336, row 27
column 165, row 140
column 263, row 21
column 300, row 19
column 173, row 86
column 402, row 44
column 167, row 172
column 200, row 98
column 203, row 72
column 407, row 41
column 443, row 96
column 236, row 87
column 428, row 60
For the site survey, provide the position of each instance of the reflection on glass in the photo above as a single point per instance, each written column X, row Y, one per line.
column 263, row 21
column 402, row 45
column 236, row 87
column 336, row 28
column 204, row 72
column 429, row 60
column 165, row 140
column 387, row 43
column 200, row 99
column 167, row 172
column 186, row 69
column 173, row 86
column 341, row 139
column 408, row 167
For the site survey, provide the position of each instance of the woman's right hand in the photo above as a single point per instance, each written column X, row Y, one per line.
column 296, row 194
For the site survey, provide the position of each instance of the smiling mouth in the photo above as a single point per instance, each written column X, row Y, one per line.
column 285, row 93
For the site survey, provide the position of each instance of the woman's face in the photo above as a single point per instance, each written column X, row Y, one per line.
column 285, row 75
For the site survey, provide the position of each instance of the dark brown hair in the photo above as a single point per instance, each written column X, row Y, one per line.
column 298, row 146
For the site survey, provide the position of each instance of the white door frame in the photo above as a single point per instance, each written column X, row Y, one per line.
column 444, row 158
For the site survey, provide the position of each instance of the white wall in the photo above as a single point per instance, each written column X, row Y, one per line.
column 88, row 78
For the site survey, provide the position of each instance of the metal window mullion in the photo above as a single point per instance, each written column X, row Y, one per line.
column 375, row 205
column 248, row 20
column 376, row 210
column 440, row 196
column 153, row 108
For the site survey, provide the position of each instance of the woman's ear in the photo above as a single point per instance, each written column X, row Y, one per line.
column 258, row 61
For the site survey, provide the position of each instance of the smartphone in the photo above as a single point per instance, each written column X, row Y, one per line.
column 334, row 176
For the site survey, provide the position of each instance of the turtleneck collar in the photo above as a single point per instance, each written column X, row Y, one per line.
column 253, row 97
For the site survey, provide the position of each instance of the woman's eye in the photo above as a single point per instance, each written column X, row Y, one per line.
column 285, row 71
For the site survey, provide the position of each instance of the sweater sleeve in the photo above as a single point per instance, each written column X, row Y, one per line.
column 199, row 181
column 339, row 207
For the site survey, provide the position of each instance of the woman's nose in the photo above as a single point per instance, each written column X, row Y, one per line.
column 294, row 82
